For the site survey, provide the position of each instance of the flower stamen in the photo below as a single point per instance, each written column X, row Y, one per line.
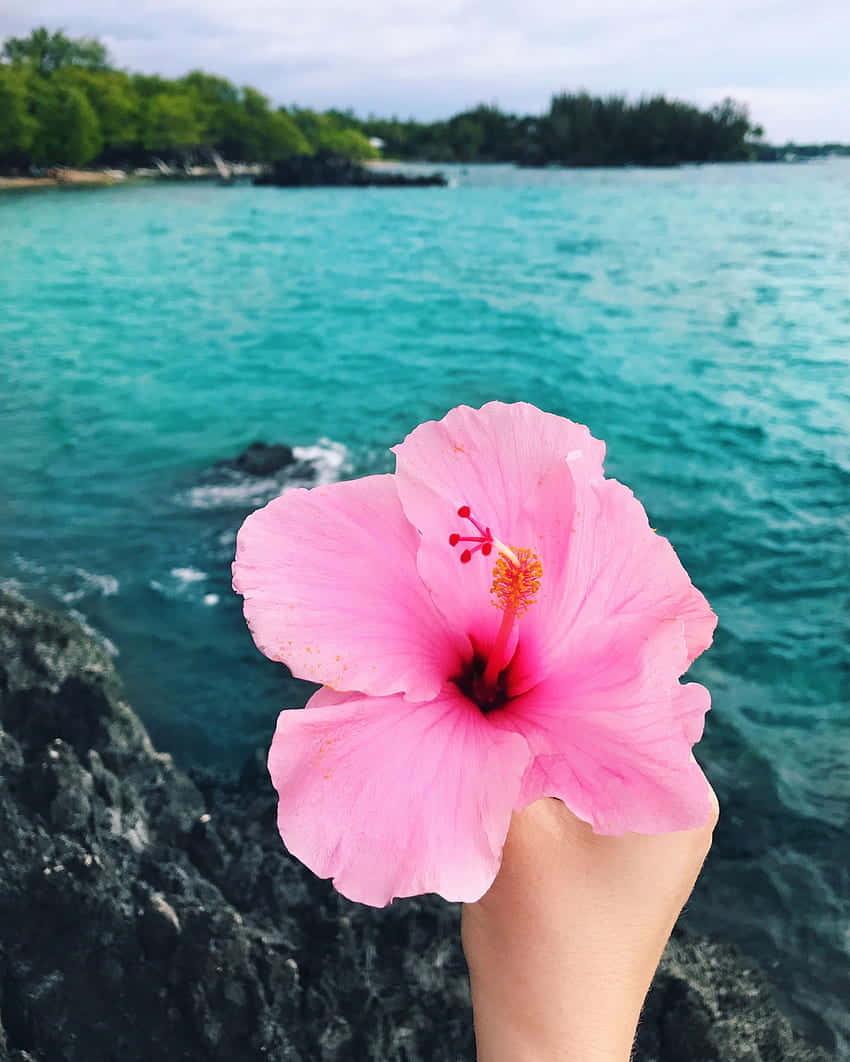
column 516, row 583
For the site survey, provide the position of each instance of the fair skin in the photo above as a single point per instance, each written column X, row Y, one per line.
column 562, row 948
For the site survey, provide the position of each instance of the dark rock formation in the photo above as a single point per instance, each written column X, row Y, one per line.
column 326, row 169
column 260, row 459
column 144, row 915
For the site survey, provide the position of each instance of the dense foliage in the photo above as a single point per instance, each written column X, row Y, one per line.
column 62, row 102
column 579, row 130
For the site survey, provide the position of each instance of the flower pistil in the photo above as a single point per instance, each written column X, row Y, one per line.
column 517, row 574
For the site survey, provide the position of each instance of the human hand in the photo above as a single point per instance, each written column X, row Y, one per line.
column 562, row 948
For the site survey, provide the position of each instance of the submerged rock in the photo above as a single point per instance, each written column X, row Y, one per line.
column 146, row 915
column 327, row 169
column 260, row 459
column 255, row 476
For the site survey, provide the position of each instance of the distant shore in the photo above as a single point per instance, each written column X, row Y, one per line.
column 323, row 169
column 228, row 173
column 75, row 177
column 62, row 177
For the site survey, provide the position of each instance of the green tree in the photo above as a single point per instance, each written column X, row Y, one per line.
column 17, row 126
column 68, row 130
column 466, row 136
column 48, row 52
column 283, row 138
column 393, row 132
column 333, row 131
column 309, row 122
column 348, row 142
column 255, row 133
column 209, row 88
column 114, row 100
column 170, row 121
column 92, row 105
column 146, row 86
column 215, row 97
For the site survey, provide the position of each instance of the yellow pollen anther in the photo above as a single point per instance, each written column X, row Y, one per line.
column 515, row 585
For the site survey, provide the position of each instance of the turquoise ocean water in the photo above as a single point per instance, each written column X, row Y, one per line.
column 697, row 319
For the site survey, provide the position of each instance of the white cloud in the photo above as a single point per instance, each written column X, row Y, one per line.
column 786, row 59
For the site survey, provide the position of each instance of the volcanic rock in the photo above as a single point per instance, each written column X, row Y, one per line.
column 260, row 459
column 148, row 915
column 327, row 169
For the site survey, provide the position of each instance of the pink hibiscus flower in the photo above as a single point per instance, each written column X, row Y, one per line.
column 494, row 623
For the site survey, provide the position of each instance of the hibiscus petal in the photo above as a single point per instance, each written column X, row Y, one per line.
column 601, row 560
column 492, row 460
column 331, row 589
column 690, row 704
column 611, row 733
column 325, row 697
column 394, row 799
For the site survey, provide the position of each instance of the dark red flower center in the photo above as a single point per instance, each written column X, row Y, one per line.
column 487, row 695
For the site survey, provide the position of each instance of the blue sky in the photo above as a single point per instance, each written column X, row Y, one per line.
column 790, row 61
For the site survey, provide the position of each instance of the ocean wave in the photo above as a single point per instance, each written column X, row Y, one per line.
column 185, row 584
column 93, row 632
column 318, row 465
column 327, row 457
column 89, row 583
column 244, row 494
column 28, row 566
column 188, row 575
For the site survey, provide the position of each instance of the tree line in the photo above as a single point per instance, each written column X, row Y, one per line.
column 62, row 102
column 580, row 130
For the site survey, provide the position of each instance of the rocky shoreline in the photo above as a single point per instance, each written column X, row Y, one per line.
column 326, row 169
column 148, row 915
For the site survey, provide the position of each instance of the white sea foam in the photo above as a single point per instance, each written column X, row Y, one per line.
column 185, row 584
column 188, row 575
column 107, row 585
column 30, row 567
column 327, row 458
column 242, row 495
column 93, row 632
column 315, row 465
column 89, row 583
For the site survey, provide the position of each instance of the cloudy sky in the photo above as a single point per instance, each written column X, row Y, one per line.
column 788, row 59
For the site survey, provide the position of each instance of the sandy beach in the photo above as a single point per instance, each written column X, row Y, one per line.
column 61, row 177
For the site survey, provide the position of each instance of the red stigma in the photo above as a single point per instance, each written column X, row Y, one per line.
column 482, row 541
